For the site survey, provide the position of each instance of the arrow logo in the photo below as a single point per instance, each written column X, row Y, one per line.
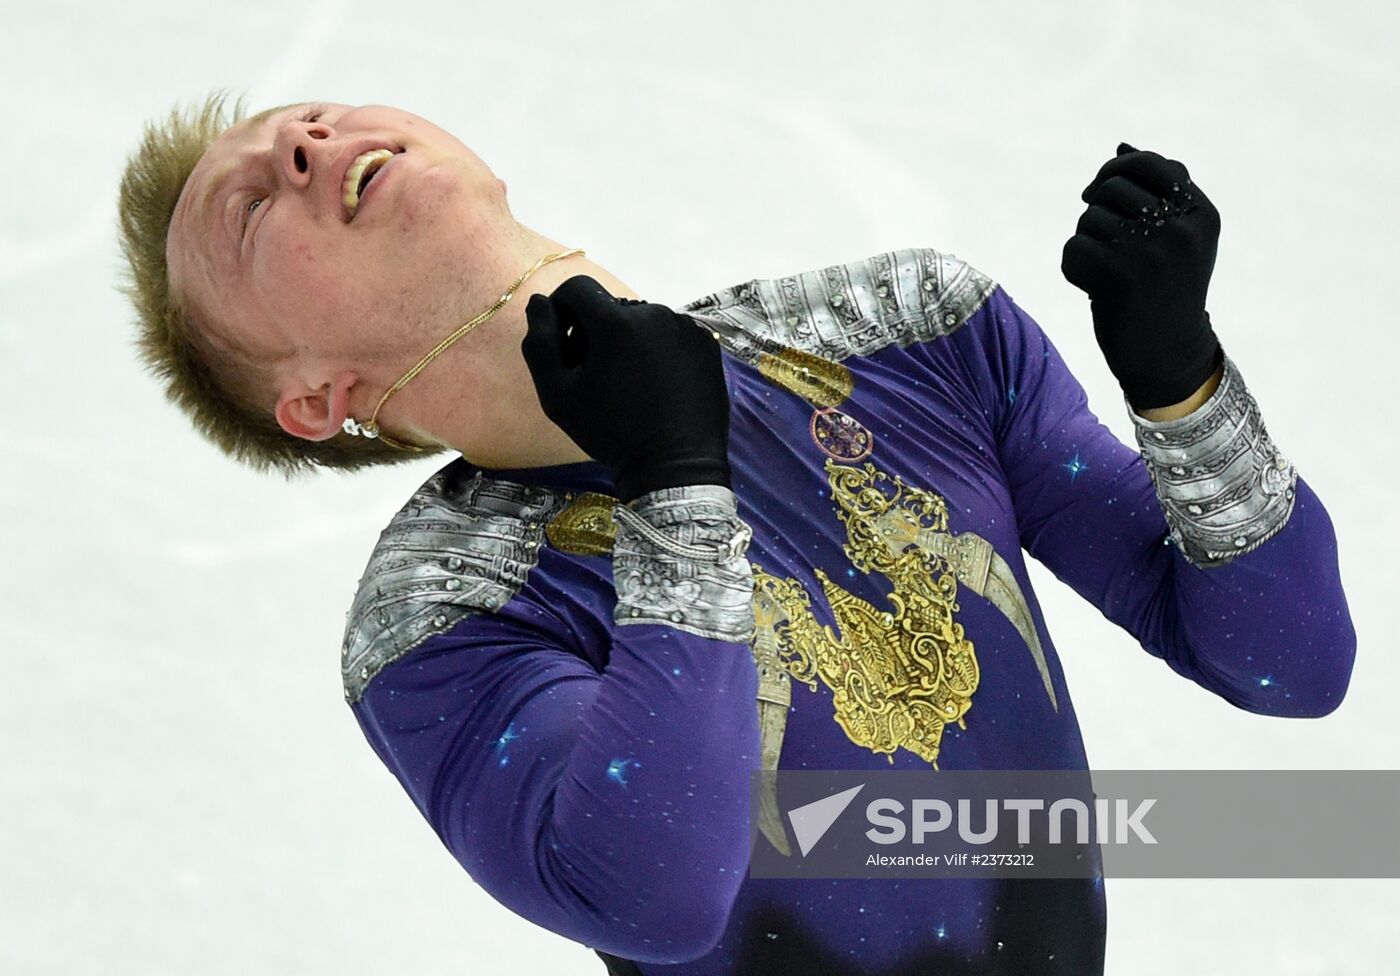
column 811, row 821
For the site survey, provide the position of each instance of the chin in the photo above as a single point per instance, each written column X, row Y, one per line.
column 441, row 195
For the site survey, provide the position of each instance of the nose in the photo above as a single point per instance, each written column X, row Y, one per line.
column 301, row 149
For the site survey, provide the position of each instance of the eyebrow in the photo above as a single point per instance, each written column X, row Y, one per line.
column 220, row 181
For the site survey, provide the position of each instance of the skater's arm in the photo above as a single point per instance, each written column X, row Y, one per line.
column 1264, row 623
column 612, row 807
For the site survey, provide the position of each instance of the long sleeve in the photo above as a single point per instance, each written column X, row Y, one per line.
column 609, row 807
column 1203, row 543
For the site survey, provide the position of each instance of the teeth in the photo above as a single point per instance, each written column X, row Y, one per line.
column 350, row 189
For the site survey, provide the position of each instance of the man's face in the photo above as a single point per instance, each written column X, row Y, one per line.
column 263, row 238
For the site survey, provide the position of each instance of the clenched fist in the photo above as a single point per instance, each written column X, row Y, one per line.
column 1144, row 251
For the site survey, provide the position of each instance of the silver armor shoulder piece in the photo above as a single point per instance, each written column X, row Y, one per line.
column 908, row 295
column 453, row 550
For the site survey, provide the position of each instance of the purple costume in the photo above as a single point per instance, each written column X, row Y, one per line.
column 575, row 702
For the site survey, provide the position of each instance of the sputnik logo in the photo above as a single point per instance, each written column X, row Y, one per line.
column 811, row 821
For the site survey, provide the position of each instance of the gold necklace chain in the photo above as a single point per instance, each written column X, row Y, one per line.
column 371, row 429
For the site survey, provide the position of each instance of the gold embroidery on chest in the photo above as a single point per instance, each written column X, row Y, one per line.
column 822, row 382
column 899, row 676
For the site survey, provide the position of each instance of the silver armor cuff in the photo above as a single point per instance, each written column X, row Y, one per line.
column 1224, row 487
column 679, row 559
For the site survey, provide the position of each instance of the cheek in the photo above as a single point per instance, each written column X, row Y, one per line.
column 296, row 249
column 310, row 280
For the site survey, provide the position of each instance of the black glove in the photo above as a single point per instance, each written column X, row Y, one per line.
column 636, row 386
column 1144, row 251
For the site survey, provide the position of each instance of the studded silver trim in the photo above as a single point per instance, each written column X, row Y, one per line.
column 908, row 295
column 1224, row 487
column 656, row 584
column 446, row 554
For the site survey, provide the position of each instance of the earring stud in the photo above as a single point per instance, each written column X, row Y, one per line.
column 352, row 426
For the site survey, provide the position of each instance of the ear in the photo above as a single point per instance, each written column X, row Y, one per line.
column 316, row 415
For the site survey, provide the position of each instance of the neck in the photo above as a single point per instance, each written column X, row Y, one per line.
column 477, row 397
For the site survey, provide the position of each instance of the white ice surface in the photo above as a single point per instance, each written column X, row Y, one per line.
column 183, row 789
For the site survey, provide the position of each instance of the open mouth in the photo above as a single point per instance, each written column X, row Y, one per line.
column 359, row 176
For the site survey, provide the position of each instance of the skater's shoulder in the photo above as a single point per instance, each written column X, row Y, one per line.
column 852, row 307
column 463, row 543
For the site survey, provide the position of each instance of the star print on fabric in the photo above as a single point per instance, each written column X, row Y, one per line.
column 1030, row 932
column 507, row 737
column 617, row 770
column 1074, row 466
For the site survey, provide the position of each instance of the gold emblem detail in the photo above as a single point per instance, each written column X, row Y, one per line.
column 584, row 526
column 822, row 382
column 897, row 677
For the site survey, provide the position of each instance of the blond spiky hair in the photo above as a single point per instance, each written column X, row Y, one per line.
column 221, row 384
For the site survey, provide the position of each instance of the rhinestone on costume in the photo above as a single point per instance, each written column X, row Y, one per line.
column 453, row 584
column 837, row 300
column 455, row 563
column 928, row 285
column 440, row 620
